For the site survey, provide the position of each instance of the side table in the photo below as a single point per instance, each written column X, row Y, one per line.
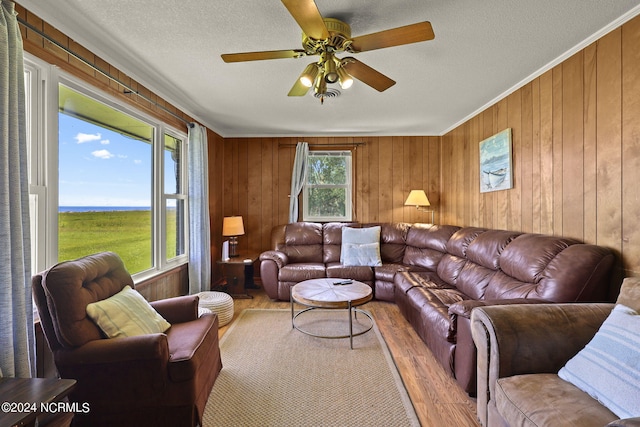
column 238, row 273
column 24, row 399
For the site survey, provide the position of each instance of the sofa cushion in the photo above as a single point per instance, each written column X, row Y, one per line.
column 393, row 238
column 387, row 271
column 361, row 246
column 541, row 250
column 332, row 240
column 426, row 245
column 608, row 367
column 126, row 314
column 534, row 400
column 301, row 271
column 432, row 305
column 359, row 273
column 303, row 242
column 406, row 280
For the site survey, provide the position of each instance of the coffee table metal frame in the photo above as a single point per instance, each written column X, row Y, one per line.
column 355, row 288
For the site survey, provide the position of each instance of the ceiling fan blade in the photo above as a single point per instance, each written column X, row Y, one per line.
column 422, row 31
column 367, row 75
column 267, row 54
column 306, row 14
column 298, row 89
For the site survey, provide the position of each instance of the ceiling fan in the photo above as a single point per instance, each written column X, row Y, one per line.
column 327, row 37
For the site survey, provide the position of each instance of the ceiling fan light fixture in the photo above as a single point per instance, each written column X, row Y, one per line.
column 320, row 85
column 309, row 74
column 344, row 78
column 330, row 70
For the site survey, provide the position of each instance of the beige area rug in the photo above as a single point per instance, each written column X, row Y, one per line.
column 274, row 375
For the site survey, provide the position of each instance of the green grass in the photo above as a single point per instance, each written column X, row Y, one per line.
column 127, row 233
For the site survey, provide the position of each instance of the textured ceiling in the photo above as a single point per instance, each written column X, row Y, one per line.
column 482, row 50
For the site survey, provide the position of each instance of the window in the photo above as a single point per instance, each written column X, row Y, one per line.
column 174, row 195
column 103, row 177
column 327, row 190
column 35, row 148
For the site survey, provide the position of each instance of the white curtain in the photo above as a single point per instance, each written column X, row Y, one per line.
column 297, row 178
column 199, row 228
column 16, row 307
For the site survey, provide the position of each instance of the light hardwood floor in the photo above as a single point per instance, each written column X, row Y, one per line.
column 436, row 397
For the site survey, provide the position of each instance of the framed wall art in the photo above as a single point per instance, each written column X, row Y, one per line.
column 496, row 168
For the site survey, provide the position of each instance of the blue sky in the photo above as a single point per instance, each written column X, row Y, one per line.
column 99, row 167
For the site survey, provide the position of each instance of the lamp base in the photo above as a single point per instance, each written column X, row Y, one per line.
column 426, row 211
column 233, row 246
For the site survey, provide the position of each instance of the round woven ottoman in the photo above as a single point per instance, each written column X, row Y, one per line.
column 219, row 303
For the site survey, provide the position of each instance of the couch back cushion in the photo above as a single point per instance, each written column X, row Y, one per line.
column 303, row 242
column 393, row 241
column 426, row 244
column 483, row 256
column 332, row 240
column 499, row 264
column 552, row 268
column 474, row 259
column 71, row 285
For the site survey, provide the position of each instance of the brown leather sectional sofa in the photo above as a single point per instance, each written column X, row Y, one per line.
column 438, row 273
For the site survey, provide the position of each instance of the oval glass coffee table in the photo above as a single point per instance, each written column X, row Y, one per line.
column 331, row 293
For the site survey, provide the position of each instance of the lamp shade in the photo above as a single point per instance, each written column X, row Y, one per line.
column 232, row 226
column 309, row 74
column 417, row 198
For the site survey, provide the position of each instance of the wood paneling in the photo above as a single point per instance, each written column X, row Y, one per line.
column 576, row 152
column 169, row 284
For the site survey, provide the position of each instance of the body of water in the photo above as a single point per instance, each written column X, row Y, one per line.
column 102, row 208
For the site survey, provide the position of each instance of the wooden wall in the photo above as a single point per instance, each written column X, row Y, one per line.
column 576, row 152
column 257, row 180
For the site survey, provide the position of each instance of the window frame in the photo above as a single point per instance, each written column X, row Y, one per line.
column 348, row 186
column 43, row 149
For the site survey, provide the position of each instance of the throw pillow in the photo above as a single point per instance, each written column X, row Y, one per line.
column 126, row 314
column 608, row 368
column 630, row 293
column 361, row 246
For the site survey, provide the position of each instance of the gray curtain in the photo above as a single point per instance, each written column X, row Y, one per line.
column 297, row 178
column 199, row 229
column 16, row 306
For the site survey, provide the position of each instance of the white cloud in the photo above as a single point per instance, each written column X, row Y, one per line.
column 137, row 162
column 102, row 154
column 105, row 142
column 81, row 138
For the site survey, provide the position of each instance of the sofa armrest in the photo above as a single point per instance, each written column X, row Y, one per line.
column 625, row 422
column 529, row 338
column 280, row 258
column 116, row 350
column 464, row 308
column 117, row 370
column 178, row 309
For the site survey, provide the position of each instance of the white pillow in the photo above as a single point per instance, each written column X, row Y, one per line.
column 361, row 246
column 608, row 368
column 126, row 314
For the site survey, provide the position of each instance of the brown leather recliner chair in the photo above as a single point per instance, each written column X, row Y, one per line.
column 161, row 379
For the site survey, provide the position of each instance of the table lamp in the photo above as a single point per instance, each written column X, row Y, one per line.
column 232, row 227
column 418, row 198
